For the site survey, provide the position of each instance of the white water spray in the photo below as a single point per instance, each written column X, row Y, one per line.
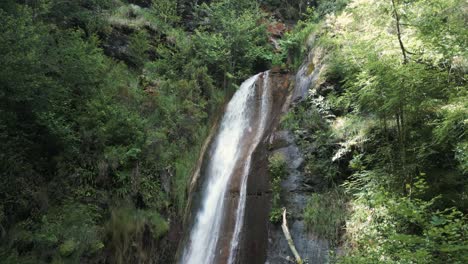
column 264, row 111
column 226, row 151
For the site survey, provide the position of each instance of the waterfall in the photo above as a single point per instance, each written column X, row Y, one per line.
column 241, row 128
column 264, row 111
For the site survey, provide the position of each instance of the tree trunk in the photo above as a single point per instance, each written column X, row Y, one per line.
column 397, row 18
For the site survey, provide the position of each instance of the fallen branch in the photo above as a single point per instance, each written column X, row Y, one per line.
column 288, row 237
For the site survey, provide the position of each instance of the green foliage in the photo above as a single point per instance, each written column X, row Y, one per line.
column 395, row 229
column 65, row 233
column 313, row 132
column 450, row 130
column 233, row 41
column 99, row 98
column 325, row 7
column 299, row 9
column 294, row 45
column 126, row 228
column 443, row 31
column 138, row 48
column 277, row 168
column 89, row 15
column 184, row 167
column 286, row 9
column 165, row 10
column 402, row 96
column 325, row 214
column 106, row 101
column 400, row 131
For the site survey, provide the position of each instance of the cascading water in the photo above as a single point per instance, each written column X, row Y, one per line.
column 241, row 128
column 264, row 111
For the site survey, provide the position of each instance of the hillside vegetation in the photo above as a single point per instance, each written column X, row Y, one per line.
column 104, row 105
column 394, row 142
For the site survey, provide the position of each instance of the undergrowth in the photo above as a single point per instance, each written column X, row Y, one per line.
column 326, row 214
column 278, row 169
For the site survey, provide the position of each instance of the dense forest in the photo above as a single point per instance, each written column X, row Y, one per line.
column 105, row 105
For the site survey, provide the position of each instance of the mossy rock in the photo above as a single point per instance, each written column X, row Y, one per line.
column 310, row 68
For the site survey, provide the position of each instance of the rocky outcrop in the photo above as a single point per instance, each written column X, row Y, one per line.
column 296, row 187
column 295, row 193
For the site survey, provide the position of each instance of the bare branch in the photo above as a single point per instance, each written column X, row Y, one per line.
column 397, row 18
column 288, row 237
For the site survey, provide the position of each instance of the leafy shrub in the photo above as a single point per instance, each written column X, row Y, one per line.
column 126, row 228
column 66, row 233
column 294, row 44
column 403, row 229
column 313, row 132
column 278, row 169
column 138, row 47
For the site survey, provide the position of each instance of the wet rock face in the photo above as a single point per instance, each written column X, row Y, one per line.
column 263, row 242
column 254, row 236
column 296, row 187
column 295, row 193
column 311, row 248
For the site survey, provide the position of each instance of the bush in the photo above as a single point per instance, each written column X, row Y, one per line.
column 125, row 230
column 278, row 169
column 388, row 227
